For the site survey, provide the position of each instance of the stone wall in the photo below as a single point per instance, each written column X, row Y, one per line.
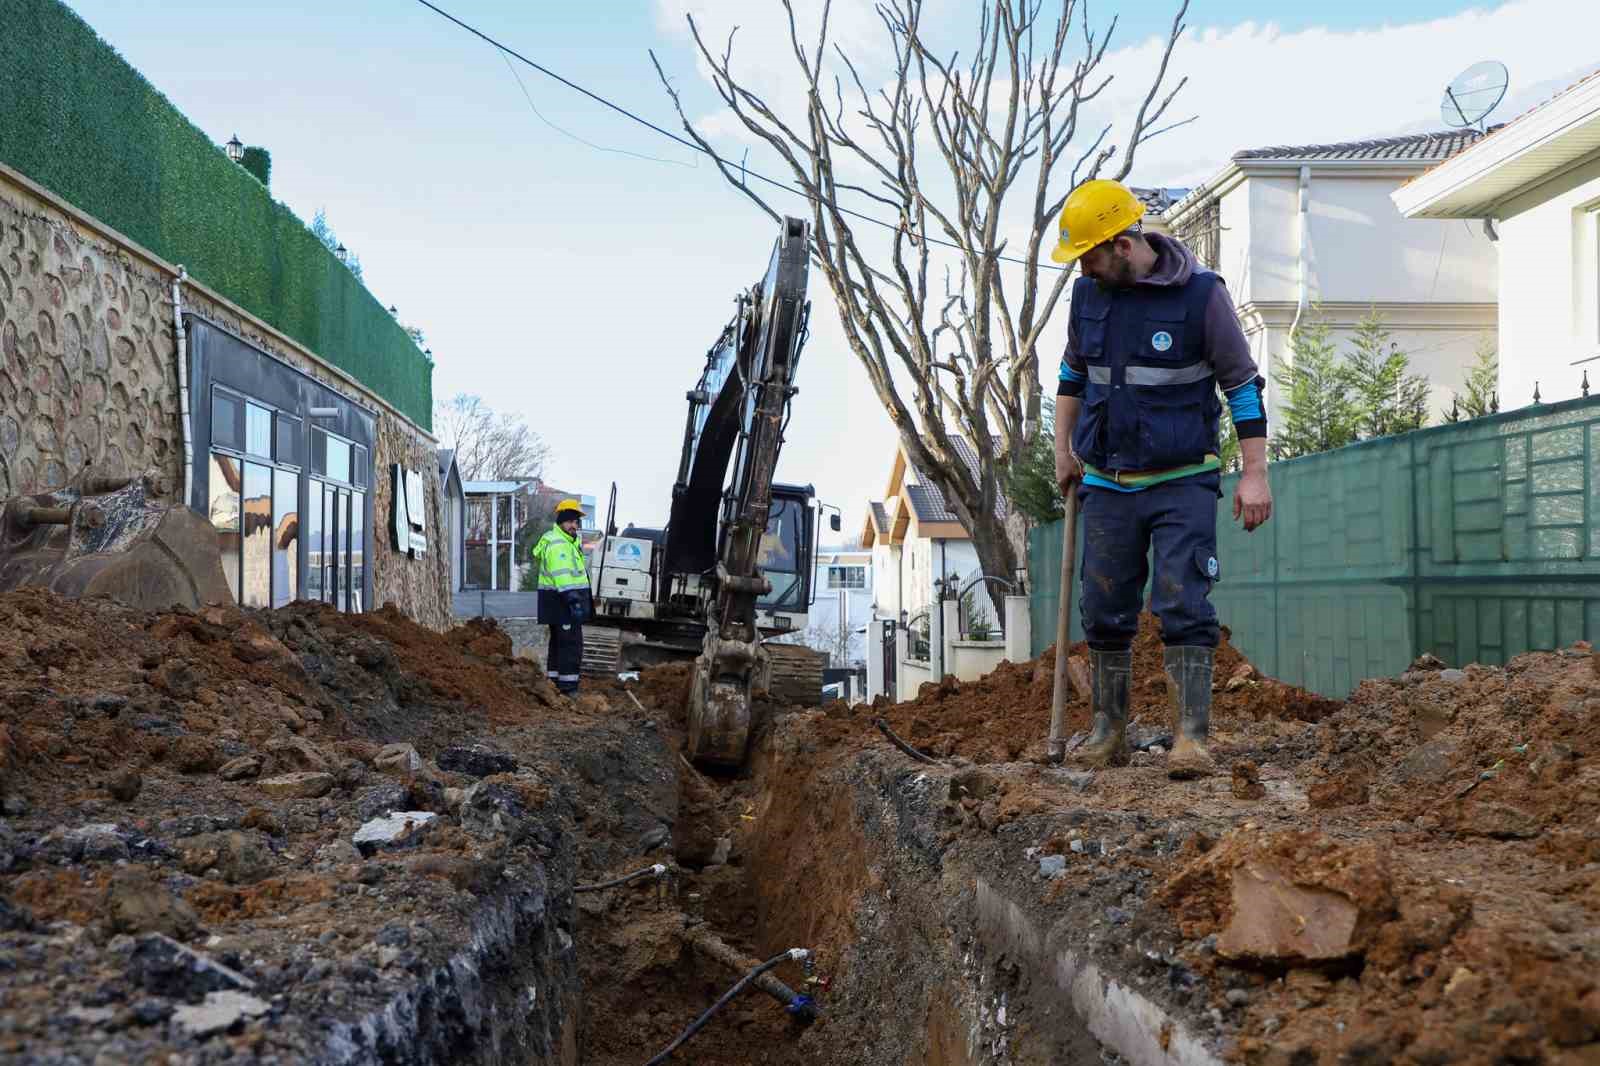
column 419, row 587
column 88, row 377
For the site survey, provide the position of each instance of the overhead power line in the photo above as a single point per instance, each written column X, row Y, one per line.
column 506, row 49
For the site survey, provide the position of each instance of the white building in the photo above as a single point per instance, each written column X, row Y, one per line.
column 1535, row 182
column 843, row 604
column 914, row 540
column 1311, row 230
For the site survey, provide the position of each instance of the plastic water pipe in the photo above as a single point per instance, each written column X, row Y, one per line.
column 802, row 1007
column 185, row 418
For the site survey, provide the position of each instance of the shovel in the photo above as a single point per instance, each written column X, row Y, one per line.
column 1058, row 696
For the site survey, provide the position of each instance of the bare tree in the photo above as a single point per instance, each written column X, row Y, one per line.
column 1001, row 124
column 489, row 446
column 831, row 637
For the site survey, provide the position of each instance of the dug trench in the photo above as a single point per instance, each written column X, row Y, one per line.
column 298, row 836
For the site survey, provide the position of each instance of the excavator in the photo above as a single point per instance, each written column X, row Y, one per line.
column 732, row 570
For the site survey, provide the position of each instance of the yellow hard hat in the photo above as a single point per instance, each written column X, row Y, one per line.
column 569, row 505
column 1095, row 211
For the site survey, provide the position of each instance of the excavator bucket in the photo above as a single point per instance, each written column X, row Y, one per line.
column 720, row 690
column 111, row 538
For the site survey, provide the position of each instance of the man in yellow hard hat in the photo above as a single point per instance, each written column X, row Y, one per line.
column 564, row 597
column 1152, row 339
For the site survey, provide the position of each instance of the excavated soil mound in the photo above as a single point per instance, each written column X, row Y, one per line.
column 1005, row 715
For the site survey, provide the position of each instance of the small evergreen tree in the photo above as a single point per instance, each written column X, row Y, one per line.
column 330, row 240
column 1030, row 482
column 1483, row 385
column 1316, row 413
column 1387, row 397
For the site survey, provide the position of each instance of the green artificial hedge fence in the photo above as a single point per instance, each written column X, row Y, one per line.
column 258, row 161
column 79, row 120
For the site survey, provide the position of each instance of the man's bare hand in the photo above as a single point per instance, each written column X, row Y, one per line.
column 1252, row 500
column 1069, row 471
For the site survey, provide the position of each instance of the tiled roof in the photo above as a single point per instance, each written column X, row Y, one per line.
column 880, row 517
column 1417, row 147
column 929, row 503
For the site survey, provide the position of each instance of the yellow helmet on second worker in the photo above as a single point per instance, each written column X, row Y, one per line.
column 569, row 505
column 1095, row 211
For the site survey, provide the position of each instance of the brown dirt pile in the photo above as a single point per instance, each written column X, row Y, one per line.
column 1005, row 715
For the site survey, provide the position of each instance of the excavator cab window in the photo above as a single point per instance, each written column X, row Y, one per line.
column 782, row 555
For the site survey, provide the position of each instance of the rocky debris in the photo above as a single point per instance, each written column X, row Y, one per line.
column 136, row 902
column 379, row 800
column 164, row 967
column 1501, row 821
column 296, row 753
column 219, row 1012
column 244, row 768
column 239, row 858
column 124, row 786
column 397, row 830
column 1051, row 865
column 338, row 853
column 398, row 758
column 98, row 842
column 1246, row 783
column 476, row 761
column 302, row 785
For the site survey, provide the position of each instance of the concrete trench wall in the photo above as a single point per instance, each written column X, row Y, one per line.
column 88, row 377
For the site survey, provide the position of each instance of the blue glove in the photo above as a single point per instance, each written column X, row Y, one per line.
column 577, row 605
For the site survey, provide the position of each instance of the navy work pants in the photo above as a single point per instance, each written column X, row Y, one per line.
column 1178, row 519
column 564, row 660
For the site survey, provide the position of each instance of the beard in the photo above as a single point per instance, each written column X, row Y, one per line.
column 1118, row 276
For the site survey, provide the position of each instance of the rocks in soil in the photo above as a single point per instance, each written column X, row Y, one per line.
column 124, row 786
column 398, row 758
column 135, row 902
column 476, row 761
column 1501, row 821
column 218, row 1013
column 240, row 858
column 379, row 800
column 303, row 785
column 398, row 830
column 1247, row 781
column 244, row 768
column 289, row 754
column 162, row 966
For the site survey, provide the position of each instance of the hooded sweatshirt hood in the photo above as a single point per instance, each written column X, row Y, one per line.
column 1175, row 264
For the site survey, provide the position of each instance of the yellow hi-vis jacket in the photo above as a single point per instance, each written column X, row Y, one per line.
column 563, row 570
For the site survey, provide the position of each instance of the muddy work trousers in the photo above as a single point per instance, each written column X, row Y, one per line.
column 1179, row 520
column 564, row 660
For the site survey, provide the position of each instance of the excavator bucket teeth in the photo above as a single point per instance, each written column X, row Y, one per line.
column 720, row 702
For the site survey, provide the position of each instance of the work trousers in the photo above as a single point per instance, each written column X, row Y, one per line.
column 564, row 660
column 1179, row 520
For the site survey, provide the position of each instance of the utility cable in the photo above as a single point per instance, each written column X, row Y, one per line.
column 619, row 109
column 797, row 954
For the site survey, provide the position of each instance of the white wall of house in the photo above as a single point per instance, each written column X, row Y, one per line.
column 916, row 565
column 1550, row 287
column 1434, row 281
column 843, row 608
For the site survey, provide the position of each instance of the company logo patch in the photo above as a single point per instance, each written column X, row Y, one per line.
column 628, row 553
column 1211, row 567
column 1161, row 340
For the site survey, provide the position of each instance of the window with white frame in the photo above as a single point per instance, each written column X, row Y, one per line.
column 847, row 577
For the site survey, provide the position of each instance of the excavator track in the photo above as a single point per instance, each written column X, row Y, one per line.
column 796, row 674
column 602, row 651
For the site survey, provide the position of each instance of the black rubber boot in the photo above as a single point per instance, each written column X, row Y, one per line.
column 1189, row 672
column 1110, row 674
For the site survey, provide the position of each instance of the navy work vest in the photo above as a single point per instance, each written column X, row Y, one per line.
column 1151, row 399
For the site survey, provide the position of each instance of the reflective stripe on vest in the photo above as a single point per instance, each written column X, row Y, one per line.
column 1154, row 375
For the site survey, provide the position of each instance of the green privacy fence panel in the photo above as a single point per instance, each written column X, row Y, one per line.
column 76, row 118
column 1474, row 542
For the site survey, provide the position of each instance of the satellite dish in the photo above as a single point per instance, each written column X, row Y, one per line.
column 1476, row 91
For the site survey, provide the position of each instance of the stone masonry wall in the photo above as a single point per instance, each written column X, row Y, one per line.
column 88, row 376
column 87, row 370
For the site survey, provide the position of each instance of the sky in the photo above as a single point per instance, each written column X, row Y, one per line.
column 566, row 279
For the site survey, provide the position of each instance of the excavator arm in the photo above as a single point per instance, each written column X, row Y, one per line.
column 737, row 414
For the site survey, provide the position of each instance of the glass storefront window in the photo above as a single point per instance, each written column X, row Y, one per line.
column 316, row 546
column 338, row 460
column 257, row 431
column 285, row 536
column 227, row 420
column 358, row 555
column 256, row 590
column 223, row 510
